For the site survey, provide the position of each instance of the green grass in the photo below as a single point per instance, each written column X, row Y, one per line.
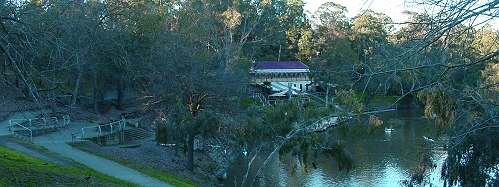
column 21, row 170
column 162, row 175
column 165, row 176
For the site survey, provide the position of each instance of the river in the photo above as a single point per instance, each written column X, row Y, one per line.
column 381, row 157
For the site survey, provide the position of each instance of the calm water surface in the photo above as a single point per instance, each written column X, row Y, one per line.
column 381, row 158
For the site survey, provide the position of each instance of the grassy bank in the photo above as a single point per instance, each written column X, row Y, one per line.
column 21, row 170
column 162, row 175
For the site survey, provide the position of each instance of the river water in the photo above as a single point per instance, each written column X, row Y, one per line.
column 380, row 157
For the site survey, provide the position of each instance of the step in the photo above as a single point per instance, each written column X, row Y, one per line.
column 137, row 134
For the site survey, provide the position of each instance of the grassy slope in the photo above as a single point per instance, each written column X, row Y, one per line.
column 17, row 169
column 162, row 175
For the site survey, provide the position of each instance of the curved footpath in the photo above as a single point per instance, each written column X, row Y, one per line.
column 57, row 142
column 99, row 164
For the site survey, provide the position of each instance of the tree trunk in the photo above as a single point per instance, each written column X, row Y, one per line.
column 228, row 45
column 190, row 151
column 120, row 91
column 17, row 81
column 96, row 93
column 32, row 91
column 76, row 88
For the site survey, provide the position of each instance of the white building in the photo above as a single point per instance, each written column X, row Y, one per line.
column 283, row 77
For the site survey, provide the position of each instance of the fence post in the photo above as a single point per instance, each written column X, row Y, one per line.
column 66, row 120
column 10, row 125
column 100, row 131
column 123, row 124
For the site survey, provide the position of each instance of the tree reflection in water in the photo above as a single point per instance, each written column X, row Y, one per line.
column 359, row 155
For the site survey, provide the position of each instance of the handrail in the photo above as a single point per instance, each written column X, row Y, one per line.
column 30, row 120
column 121, row 126
column 17, row 122
column 11, row 121
column 66, row 119
column 30, row 131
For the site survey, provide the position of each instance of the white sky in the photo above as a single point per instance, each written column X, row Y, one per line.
column 393, row 8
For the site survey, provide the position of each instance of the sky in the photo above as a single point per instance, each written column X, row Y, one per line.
column 393, row 8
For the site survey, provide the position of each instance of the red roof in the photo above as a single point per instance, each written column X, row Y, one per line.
column 279, row 65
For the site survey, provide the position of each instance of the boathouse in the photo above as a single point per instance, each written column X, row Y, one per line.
column 282, row 77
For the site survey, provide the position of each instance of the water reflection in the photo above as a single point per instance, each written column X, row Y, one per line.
column 381, row 157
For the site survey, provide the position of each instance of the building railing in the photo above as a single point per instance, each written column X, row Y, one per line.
column 262, row 80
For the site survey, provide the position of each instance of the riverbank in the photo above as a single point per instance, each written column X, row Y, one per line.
column 19, row 169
